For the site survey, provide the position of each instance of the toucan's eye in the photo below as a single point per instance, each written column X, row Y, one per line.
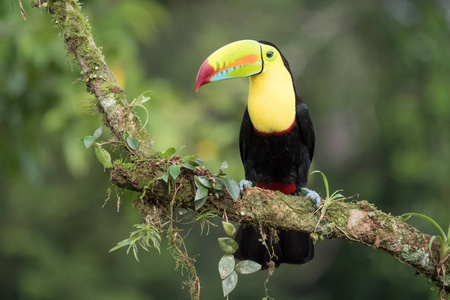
column 270, row 54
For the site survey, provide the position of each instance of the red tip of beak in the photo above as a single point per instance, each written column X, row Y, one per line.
column 204, row 74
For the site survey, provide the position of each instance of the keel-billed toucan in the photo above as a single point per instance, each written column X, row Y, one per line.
column 276, row 140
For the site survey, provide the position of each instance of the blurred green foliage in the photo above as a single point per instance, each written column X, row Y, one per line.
column 375, row 76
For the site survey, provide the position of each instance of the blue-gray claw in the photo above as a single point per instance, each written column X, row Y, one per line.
column 313, row 195
column 244, row 184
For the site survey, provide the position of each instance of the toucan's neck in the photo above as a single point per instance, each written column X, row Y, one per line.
column 271, row 101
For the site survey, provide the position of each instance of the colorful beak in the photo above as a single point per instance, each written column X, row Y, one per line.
column 238, row 59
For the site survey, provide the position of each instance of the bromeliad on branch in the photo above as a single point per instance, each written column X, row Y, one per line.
column 276, row 140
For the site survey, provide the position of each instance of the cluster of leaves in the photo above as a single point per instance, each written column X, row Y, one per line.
column 147, row 233
column 216, row 183
column 144, row 234
column 228, row 269
column 203, row 184
column 103, row 156
column 174, row 171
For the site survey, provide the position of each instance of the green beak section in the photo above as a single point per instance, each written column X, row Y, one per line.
column 235, row 60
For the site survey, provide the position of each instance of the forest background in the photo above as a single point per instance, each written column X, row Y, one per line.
column 375, row 76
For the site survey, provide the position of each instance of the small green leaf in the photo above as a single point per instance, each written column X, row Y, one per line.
column 189, row 166
column 132, row 143
column 223, row 166
column 176, row 152
column 165, row 177
column 431, row 243
column 247, row 267
column 228, row 245
column 325, row 182
column 145, row 99
column 229, row 228
column 229, row 283
column 197, row 181
column 196, row 162
column 232, row 188
column 338, row 195
column 174, row 171
column 98, row 132
column 201, row 193
column 141, row 99
column 427, row 218
column 119, row 245
column 89, row 140
column 206, row 182
column 218, row 183
column 226, row 265
column 188, row 158
column 200, row 202
column 103, row 157
column 139, row 102
column 168, row 152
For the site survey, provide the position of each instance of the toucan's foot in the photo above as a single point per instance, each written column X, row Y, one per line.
column 244, row 184
column 311, row 194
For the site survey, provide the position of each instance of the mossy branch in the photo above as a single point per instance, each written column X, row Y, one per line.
column 356, row 221
column 100, row 81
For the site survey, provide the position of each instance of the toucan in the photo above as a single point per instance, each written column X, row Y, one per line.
column 276, row 141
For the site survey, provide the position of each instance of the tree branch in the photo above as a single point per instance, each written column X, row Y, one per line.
column 100, row 81
column 356, row 221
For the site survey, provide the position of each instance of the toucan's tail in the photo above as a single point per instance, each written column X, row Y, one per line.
column 292, row 247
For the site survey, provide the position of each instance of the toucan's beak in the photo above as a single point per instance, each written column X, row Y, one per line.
column 238, row 59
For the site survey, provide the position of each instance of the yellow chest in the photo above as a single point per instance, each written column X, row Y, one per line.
column 271, row 101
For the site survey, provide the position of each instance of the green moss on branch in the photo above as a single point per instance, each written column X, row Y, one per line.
column 356, row 221
column 99, row 79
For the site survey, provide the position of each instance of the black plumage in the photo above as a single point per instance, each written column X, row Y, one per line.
column 278, row 161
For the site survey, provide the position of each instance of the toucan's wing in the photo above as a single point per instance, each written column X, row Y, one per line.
column 245, row 138
column 245, row 135
column 306, row 127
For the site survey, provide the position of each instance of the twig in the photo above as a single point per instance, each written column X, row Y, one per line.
column 22, row 11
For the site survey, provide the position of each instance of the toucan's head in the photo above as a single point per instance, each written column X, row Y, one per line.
column 240, row 59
